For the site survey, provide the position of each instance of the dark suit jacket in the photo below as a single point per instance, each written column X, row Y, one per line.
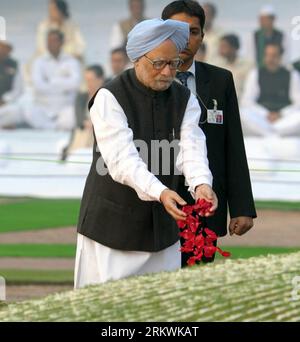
column 225, row 145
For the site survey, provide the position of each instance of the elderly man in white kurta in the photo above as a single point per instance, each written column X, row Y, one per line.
column 127, row 224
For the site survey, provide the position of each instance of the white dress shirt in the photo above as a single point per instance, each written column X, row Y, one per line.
column 191, row 81
column 115, row 142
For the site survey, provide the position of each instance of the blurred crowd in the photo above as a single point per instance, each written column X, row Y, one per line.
column 53, row 90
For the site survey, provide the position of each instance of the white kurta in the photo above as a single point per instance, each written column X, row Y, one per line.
column 96, row 263
column 56, row 82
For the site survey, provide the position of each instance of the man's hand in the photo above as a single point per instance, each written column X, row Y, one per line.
column 273, row 116
column 170, row 199
column 205, row 191
column 240, row 225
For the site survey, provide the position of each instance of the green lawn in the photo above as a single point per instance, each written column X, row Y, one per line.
column 68, row 251
column 37, row 251
column 36, row 214
column 277, row 205
column 19, row 277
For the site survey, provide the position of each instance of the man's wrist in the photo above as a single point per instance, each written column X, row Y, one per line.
column 165, row 189
column 200, row 185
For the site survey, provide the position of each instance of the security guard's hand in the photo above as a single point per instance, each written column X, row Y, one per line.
column 240, row 225
column 170, row 199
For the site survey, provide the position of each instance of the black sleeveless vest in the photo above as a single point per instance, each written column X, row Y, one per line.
column 274, row 89
column 111, row 213
column 8, row 69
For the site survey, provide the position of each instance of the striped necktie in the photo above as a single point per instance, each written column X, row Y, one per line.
column 183, row 77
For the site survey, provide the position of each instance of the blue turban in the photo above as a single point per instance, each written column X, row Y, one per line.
column 149, row 34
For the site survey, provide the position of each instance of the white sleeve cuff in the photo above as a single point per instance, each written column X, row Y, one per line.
column 197, row 182
column 156, row 190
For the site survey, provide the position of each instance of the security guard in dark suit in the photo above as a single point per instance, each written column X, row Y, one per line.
column 220, row 121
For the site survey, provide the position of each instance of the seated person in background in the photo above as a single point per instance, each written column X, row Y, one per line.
column 10, row 85
column 271, row 100
column 56, row 79
column 229, row 52
column 59, row 19
column 82, row 136
column 119, row 62
column 121, row 29
column 266, row 34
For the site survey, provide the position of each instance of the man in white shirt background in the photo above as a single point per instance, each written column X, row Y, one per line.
column 212, row 33
column 56, row 79
column 231, row 60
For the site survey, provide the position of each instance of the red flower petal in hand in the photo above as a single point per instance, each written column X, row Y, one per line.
column 201, row 241
column 192, row 223
column 181, row 224
column 210, row 236
column 187, row 234
column 210, row 233
column 188, row 209
column 202, row 207
column 209, row 251
column 192, row 261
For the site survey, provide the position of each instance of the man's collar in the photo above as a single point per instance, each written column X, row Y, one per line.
column 192, row 69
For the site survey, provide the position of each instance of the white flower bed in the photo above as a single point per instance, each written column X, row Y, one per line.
column 255, row 289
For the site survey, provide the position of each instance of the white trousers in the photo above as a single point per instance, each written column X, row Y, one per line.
column 96, row 264
column 10, row 114
column 255, row 124
column 36, row 117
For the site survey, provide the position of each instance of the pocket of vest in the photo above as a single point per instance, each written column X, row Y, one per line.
column 111, row 205
column 130, row 212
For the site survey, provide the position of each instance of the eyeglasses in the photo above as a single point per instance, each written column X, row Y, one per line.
column 160, row 64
